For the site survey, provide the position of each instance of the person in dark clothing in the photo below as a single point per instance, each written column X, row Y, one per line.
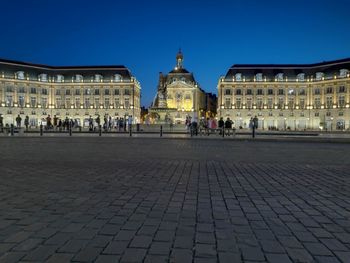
column 26, row 122
column 221, row 124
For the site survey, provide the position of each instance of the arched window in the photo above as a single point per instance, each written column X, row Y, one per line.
column 78, row 78
column 59, row 78
column 42, row 77
column 20, row 74
column 301, row 77
column 117, row 77
column 259, row 77
column 98, row 78
column 279, row 77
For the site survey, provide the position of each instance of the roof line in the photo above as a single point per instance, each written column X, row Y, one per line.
column 291, row 66
column 47, row 67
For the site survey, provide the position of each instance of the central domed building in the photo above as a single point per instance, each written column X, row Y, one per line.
column 178, row 96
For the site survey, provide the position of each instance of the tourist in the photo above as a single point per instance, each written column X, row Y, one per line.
column 26, row 122
column 18, row 121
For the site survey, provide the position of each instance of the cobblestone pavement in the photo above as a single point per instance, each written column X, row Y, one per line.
column 173, row 200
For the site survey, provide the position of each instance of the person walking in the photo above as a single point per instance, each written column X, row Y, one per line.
column 48, row 122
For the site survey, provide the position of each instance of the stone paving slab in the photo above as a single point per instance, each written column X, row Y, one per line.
column 173, row 200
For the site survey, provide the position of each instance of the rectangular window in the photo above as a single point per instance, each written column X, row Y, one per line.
column 329, row 90
column 259, row 103
column 317, row 103
column 116, row 92
column 21, row 90
column 280, row 92
column 68, row 92
column 21, row 101
column 77, row 92
column 280, row 103
column 9, row 101
column 87, row 103
column 107, row 103
column 9, row 89
column 302, row 92
column 117, row 103
column 227, row 103
column 302, row 103
column 238, row 103
column 97, row 103
column 126, row 92
column 87, row 91
column 270, row 103
column 341, row 89
column 290, row 103
column 127, row 103
column 106, row 91
column 317, row 91
column 238, row 92
column 227, row 92
column 32, row 102
column 58, row 92
column 249, row 92
column 44, row 91
column 249, row 104
column 97, row 92
column 68, row 104
column 77, row 103
column 58, row 103
column 270, row 91
column 317, row 114
column 33, row 90
column 44, row 103
column 260, row 92
column 329, row 102
column 341, row 101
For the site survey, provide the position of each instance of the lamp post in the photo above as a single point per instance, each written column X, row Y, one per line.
column 331, row 123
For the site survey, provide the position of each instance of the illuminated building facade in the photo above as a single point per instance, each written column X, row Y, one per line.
column 37, row 91
column 178, row 95
column 287, row 97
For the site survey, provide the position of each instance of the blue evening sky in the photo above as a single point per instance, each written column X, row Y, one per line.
column 146, row 35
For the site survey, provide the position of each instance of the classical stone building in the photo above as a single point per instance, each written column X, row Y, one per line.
column 73, row 92
column 178, row 95
column 295, row 97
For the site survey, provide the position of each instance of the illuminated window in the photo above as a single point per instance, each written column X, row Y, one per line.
column 21, row 101
column 227, row 103
column 227, row 92
column 33, row 102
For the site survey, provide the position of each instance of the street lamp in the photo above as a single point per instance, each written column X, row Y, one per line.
column 331, row 123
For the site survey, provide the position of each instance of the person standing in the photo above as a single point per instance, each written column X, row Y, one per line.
column 48, row 122
column 1, row 123
column 98, row 121
column 91, row 124
column 18, row 121
column 55, row 120
column 26, row 122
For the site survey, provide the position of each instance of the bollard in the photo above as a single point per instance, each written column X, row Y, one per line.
column 161, row 130
column 41, row 130
column 99, row 130
column 12, row 130
column 130, row 132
